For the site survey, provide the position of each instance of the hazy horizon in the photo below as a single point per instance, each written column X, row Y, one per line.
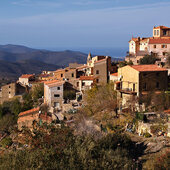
column 79, row 23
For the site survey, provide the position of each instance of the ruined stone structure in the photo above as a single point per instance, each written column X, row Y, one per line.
column 12, row 90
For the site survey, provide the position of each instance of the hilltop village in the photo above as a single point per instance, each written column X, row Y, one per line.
column 135, row 88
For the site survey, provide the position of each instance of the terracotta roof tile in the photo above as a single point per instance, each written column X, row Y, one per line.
column 54, row 83
column 162, row 27
column 167, row 111
column 27, row 75
column 144, row 68
column 114, row 74
column 29, row 112
column 87, row 78
column 159, row 41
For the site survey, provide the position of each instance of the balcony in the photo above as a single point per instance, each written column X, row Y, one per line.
column 127, row 91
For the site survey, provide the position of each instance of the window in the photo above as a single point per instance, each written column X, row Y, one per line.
column 97, row 71
column 61, row 75
column 157, row 85
column 56, row 95
column 77, row 84
column 154, row 32
column 164, row 32
column 154, row 46
column 83, row 83
column 72, row 75
column 97, row 80
column 144, row 86
column 58, row 88
column 133, row 87
column 157, row 32
column 164, row 46
column 164, row 53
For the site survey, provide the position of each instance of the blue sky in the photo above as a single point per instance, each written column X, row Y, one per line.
column 73, row 24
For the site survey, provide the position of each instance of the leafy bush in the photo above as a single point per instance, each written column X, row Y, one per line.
column 69, row 94
column 147, row 135
column 139, row 116
column 160, row 161
column 6, row 142
column 60, row 149
column 148, row 59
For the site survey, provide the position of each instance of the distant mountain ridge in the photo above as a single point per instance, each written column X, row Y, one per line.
column 14, row 53
column 16, row 60
column 16, row 48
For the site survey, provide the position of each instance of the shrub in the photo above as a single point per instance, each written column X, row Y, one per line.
column 6, row 142
column 148, row 59
column 147, row 135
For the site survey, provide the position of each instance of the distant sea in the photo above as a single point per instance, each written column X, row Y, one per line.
column 113, row 52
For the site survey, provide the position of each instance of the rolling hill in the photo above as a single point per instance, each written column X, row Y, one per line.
column 15, row 53
column 13, row 70
column 16, row 60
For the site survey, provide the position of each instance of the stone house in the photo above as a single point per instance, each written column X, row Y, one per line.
column 53, row 93
column 60, row 74
column 12, row 90
column 26, row 79
column 32, row 118
column 139, row 80
column 114, row 77
column 86, row 83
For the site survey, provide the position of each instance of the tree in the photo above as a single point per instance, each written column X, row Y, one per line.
column 130, row 62
column 16, row 107
column 102, row 98
column 122, row 63
column 148, row 59
column 69, row 94
column 27, row 102
column 37, row 91
column 6, row 122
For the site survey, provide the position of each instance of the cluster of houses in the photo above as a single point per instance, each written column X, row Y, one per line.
column 158, row 45
column 129, row 81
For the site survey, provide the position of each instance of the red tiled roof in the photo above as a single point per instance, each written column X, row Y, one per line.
column 134, row 39
column 27, row 75
column 159, row 41
column 87, row 78
column 29, row 112
column 45, row 117
column 152, row 67
column 162, row 27
column 114, row 74
column 167, row 111
column 53, row 83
